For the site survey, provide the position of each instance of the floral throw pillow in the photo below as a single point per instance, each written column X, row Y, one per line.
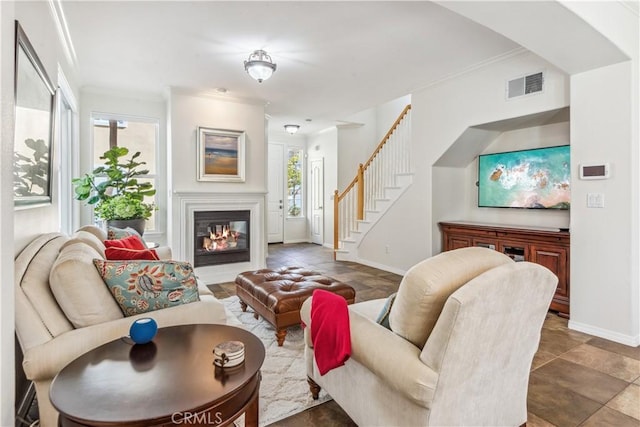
column 144, row 286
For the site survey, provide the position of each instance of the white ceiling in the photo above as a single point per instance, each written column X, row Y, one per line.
column 334, row 58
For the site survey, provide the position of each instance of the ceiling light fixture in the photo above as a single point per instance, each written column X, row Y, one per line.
column 259, row 65
column 291, row 128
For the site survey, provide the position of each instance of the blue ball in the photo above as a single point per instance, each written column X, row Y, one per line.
column 143, row 330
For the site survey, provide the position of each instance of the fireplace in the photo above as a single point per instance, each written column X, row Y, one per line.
column 221, row 237
column 182, row 238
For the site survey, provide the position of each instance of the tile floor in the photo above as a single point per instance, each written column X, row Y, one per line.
column 576, row 379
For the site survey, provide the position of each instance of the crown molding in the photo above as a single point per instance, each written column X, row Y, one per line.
column 477, row 66
column 212, row 94
column 631, row 6
column 60, row 22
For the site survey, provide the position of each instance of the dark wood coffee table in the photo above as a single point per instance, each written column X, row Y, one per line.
column 169, row 381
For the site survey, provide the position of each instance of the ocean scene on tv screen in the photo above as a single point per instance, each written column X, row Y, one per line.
column 536, row 179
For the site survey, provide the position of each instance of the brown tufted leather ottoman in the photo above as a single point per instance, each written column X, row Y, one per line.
column 277, row 295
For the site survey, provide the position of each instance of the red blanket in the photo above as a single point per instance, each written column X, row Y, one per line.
column 330, row 332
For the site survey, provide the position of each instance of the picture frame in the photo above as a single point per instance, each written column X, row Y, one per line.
column 33, row 128
column 221, row 155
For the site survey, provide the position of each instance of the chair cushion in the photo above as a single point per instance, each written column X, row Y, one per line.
column 79, row 289
column 38, row 314
column 144, row 286
column 88, row 238
column 427, row 285
column 95, row 230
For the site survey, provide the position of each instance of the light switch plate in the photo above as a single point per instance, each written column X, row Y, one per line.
column 595, row 200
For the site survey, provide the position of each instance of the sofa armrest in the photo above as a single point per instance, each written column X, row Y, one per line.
column 44, row 361
column 164, row 252
column 388, row 356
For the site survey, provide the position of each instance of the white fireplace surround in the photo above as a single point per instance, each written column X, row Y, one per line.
column 185, row 204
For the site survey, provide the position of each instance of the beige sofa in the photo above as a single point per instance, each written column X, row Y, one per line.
column 64, row 309
column 465, row 326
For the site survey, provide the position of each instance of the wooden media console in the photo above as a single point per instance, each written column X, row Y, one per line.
column 545, row 246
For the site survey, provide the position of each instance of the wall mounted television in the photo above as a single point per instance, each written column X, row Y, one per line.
column 538, row 178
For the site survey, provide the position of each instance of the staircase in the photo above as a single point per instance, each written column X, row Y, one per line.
column 377, row 185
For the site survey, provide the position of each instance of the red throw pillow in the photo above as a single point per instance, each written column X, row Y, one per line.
column 129, row 242
column 126, row 254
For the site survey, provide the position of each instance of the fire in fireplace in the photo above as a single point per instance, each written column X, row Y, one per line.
column 224, row 237
column 221, row 237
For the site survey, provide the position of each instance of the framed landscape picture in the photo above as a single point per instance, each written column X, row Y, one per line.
column 221, row 155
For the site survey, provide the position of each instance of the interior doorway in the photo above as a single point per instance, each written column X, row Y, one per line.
column 316, row 172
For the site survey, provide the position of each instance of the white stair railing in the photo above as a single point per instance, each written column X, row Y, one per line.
column 390, row 158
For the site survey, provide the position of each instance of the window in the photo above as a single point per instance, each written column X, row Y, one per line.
column 294, row 182
column 67, row 134
column 135, row 134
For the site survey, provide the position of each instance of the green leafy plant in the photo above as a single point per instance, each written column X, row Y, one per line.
column 294, row 181
column 115, row 188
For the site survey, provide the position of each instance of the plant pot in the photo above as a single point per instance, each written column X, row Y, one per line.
column 137, row 224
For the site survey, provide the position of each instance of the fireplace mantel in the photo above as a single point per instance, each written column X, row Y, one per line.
column 185, row 204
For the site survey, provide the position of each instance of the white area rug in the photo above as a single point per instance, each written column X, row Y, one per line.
column 284, row 390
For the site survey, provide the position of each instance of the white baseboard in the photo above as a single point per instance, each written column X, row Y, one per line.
column 605, row 333
column 328, row 245
column 380, row 266
column 296, row 241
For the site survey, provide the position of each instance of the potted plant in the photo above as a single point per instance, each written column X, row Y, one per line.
column 116, row 191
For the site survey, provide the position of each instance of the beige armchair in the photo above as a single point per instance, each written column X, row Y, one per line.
column 465, row 326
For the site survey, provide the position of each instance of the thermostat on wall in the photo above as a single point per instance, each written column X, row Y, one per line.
column 594, row 171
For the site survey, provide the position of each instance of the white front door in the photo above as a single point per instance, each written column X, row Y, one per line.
column 317, row 201
column 275, row 197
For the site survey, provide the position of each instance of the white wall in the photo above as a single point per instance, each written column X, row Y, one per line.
column 361, row 134
column 324, row 145
column 187, row 112
column 7, row 294
column 602, row 239
column 134, row 105
column 386, row 115
column 605, row 124
column 18, row 227
column 440, row 114
column 356, row 142
column 37, row 22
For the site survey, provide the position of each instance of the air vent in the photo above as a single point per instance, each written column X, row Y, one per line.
column 525, row 85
